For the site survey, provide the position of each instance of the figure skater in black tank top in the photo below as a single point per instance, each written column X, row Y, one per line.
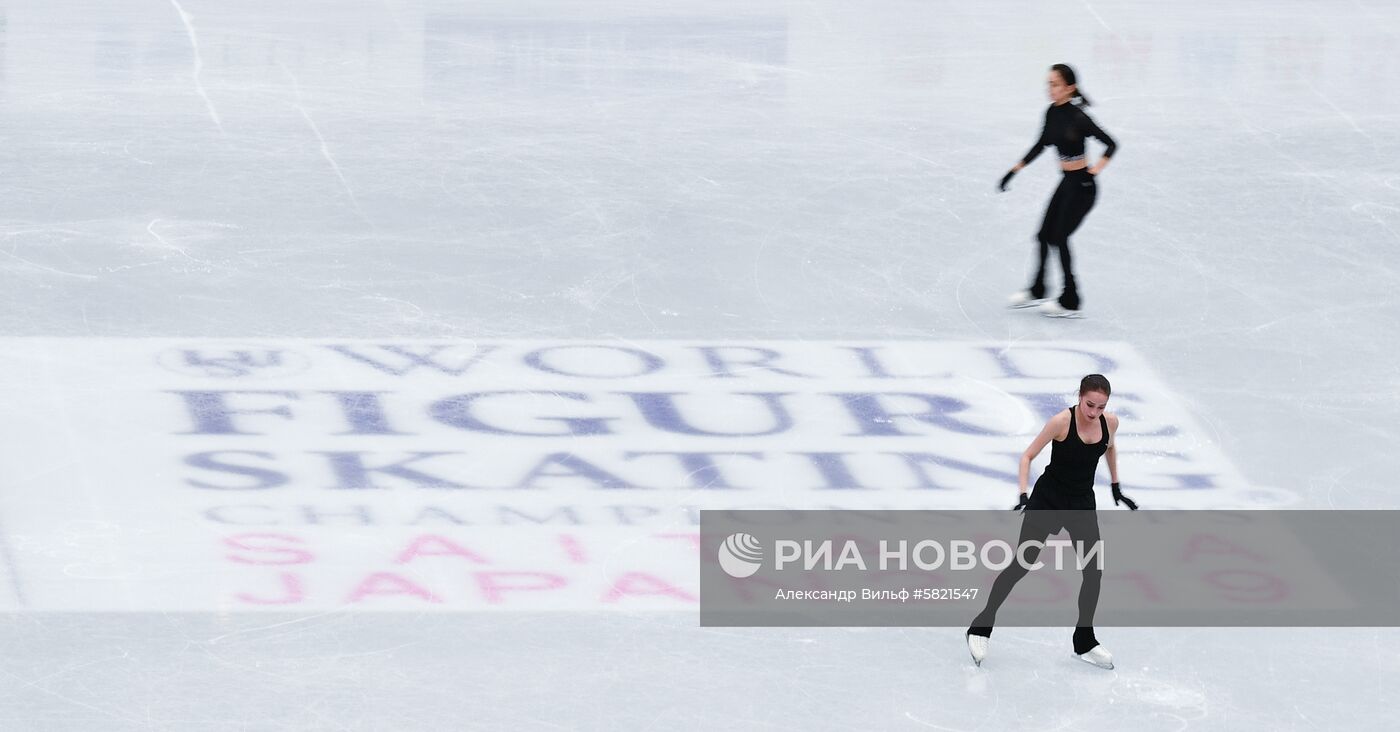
column 1067, row 126
column 1079, row 436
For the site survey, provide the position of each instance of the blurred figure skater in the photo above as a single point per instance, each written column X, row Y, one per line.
column 1063, row 498
column 1066, row 127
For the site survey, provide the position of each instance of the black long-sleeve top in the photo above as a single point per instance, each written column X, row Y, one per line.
column 1066, row 127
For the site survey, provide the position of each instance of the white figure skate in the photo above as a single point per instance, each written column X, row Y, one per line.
column 1098, row 656
column 1053, row 309
column 977, row 646
column 1024, row 299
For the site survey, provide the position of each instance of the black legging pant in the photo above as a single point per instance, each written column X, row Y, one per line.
column 1068, row 207
column 1037, row 525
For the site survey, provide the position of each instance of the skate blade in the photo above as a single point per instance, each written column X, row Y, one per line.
column 1066, row 315
column 1026, row 305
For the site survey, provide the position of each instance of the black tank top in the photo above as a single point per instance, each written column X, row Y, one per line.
column 1072, row 463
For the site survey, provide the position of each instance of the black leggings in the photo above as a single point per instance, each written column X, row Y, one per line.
column 1068, row 207
column 1041, row 519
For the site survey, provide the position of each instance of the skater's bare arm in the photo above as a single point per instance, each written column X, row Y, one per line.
column 1112, row 453
column 1057, row 424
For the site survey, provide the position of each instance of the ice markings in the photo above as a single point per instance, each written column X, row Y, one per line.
column 198, row 66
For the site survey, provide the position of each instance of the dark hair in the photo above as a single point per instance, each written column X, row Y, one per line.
column 1094, row 382
column 1067, row 74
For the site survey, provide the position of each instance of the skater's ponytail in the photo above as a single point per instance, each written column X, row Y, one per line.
column 1067, row 74
column 1094, row 382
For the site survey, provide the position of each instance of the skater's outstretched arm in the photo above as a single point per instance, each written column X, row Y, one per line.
column 1039, row 147
column 1058, row 424
column 1032, row 154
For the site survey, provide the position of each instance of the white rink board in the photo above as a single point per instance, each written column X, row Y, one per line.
column 215, row 475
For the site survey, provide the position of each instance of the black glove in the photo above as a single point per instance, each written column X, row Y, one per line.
column 1022, row 503
column 1006, row 179
column 1118, row 496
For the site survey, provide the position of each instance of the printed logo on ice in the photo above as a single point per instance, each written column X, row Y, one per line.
column 740, row 555
column 519, row 475
column 227, row 361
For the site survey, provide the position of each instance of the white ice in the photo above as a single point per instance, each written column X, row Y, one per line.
column 766, row 171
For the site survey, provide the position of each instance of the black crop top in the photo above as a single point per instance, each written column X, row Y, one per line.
column 1072, row 461
column 1066, row 127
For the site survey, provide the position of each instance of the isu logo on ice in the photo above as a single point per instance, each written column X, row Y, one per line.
column 740, row 555
column 233, row 362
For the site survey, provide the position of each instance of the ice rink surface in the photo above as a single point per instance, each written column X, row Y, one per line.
column 771, row 172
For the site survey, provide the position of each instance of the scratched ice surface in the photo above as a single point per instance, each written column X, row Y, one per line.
column 758, row 171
